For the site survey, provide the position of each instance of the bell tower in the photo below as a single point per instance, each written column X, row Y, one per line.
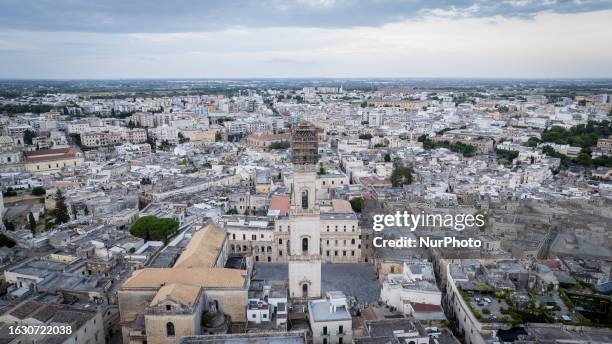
column 304, row 216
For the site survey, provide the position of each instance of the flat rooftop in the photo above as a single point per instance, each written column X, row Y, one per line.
column 321, row 310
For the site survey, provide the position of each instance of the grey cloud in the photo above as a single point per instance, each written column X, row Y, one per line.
column 155, row 16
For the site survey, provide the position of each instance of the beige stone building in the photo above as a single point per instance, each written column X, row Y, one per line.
column 195, row 296
column 46, row 161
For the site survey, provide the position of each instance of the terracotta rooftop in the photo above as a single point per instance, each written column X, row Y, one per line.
column 200, row 277
column 51, row 154
column 424, row 307
column 203, row 248
column 280, row 203
column 185, row 294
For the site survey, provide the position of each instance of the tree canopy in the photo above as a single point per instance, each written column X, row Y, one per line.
column 38, row 191
column 582, row 135
column 6, row 241
column 357, row 204
column 61, row 209
column 401, row 175
column 466, row 149
column 154, row 228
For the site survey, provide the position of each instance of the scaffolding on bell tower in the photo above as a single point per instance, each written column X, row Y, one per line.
column 304, row 145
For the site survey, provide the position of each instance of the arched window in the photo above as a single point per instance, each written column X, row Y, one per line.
column 305, row 199
column 305, row 245
column 304, row 290
column 170, row 329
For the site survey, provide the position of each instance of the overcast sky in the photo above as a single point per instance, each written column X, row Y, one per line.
column 305, row 38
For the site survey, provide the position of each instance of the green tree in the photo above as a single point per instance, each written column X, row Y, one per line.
column 154, row 228
column 28, row 136
column 532, row 142
column 366, row 136
column 232, row 211
column 401, row 175
column 9, row 225
column 76, row 138
column 38, row 191
column 322, row 170
column 6, row 241
column 86, row 211
column 357, row 204
column 9, row 192
column 509, row 155
column 603, row 160
column 584, row 159
column 75, row 212
column 61, row 209
column 218, row 136
column 32, row 223
column 182, row 138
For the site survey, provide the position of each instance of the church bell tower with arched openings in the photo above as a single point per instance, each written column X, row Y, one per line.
column 304, row 216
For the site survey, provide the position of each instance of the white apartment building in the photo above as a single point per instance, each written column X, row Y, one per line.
column 165, row 133
column 77, row 127
column 330, row 320
column 416, row 284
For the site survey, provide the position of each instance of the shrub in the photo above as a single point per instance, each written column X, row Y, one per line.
column 38, row 191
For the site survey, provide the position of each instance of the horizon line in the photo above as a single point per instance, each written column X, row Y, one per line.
column 311, row 78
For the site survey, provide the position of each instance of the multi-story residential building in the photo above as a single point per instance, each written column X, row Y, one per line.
column 77, row 127
column 164, row 133
column 330, row 320
column 144, row 119
column 113, row 137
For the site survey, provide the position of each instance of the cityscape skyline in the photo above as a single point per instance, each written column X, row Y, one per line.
column 306, row 39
